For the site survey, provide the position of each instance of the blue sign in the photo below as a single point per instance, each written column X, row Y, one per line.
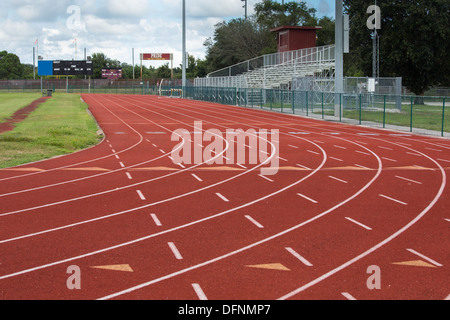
column 45, row 68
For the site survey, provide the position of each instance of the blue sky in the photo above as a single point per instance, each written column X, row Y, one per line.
column 114, row 27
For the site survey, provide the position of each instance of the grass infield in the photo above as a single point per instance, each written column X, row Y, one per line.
column 59, row 126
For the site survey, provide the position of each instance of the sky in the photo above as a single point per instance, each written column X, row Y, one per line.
column 114, row 27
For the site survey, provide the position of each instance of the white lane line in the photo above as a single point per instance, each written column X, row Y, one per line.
column 283, row 159
column 389, row 159
column 156, row 220
column 337, row 179
column 117, row 157
column 447, row 298
column 222, row 197
column 122, row 165
column 340, row 147
column 299, row 257
column 437, row 264
column 141, row 195
column 386, row 148
column 409, row 180
column 348, row 296
column 264, row 177
column 196, row 177
column 307, row 198
column 113, row 151
column 304, row 167
column 129, row 175
column 198, row 290
column 181, row 165
column 240, row 165
column 434, row 149
column 313, row 152
column 444, row 160
column 162, row 151
column 256, row 223
column 337, row 159
column 359, row 223
column 364, row 153
column 448, row 220
column 392, row 199
column 154, row 145
column 290, row 145
column 175, row 251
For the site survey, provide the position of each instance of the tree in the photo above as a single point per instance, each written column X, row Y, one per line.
column 272, row 14
column 10, row 66
column 414, row 41
column 235, row 41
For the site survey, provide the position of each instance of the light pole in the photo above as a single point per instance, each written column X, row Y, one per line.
column 339, row 57
column 184, row 49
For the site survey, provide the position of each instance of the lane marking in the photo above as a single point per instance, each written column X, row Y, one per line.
column 313, row 152
column 290, row 145
column 340, row 147
column 283, row 159
column 386, row 148
column 414, row 154
column 175, row 251
column 264, row 177
column 359, row 223
column 444, row 160
column 156, row 220
column 222, row 197
column 240, row 165
column 337, row 159
column 256, row 223
column 307, row 198
column 122, row 165
column 299, row 257
column 304, row 167
column 434, row 149
column 437, row 264
column 141, row 195
column 410, row 180
column 389, row 159
column 198, row 290
column 392, row 199
column 337, row 179
column 162, row 151
column 196, row 177
column 117, row 157
column 448, row 220
column 362, row 167
column 364, row 153
column 129, row 175
column 348, row 296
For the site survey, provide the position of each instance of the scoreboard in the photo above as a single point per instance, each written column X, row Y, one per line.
column 112, row 74
column 73, row 68
column 66, row 68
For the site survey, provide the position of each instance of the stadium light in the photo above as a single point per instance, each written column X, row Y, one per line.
column 184, row 49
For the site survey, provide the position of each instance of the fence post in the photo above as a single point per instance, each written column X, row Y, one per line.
column 384, row 112
column 360, row 107
column 340, row 107
column 323, row 115
column 307, row 111
column 411, row 116
column 293, row 102
column 443, row 117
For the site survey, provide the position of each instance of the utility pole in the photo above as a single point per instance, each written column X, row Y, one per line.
column 245, row 6
column 339, row 56
column 184, row 49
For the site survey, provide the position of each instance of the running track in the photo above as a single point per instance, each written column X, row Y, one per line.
column 346, row 198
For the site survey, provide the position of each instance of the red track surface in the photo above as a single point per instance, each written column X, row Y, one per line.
column 346, row 198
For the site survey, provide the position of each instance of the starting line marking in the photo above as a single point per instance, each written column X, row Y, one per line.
column 392, row 199
column 406, row 179
column 175, row 251
column 358, row 223
column 155, row 218
column 437, row 264
column 198, row 290
column 299, row 257
column 222, row 197
column 141, row 195
column 348, row 296
column 256, row 223
column 305, row 197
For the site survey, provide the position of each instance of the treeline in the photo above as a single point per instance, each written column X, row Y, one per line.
column 414, row 42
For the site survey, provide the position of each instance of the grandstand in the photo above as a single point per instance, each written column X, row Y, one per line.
column 274, row 71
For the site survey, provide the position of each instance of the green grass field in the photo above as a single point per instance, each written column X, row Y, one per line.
column 11, row 102
column 59, row 126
